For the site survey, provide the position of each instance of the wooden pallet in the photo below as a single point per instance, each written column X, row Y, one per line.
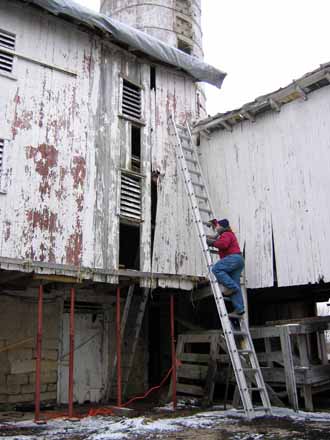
column 197, row 371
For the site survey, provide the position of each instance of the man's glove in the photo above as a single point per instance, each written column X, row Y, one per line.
column 210, row 241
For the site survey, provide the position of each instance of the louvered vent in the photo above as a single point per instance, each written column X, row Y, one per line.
column 2, row 147
column 6, row 60
column 131, row 104
column 7, row 40
column 130, row 197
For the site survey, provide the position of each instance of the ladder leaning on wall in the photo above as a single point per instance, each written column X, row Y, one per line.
column 244, row 360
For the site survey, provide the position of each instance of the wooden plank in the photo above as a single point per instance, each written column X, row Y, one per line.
column 194, row 357
column 318, row 373
column 303, row 351
column 290, row 378
column 190, row 371
column 268, row 349
column 308, row 397
column 322, row 348
column 277, row 375
column 193, row 390
column 212, row 370
column 198, row 338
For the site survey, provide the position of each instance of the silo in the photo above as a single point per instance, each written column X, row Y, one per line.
column 176, row 22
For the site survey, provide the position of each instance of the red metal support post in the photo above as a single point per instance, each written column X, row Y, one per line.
column 38, row 356
column 71, row 354
column 173, row 352
column 118, row 332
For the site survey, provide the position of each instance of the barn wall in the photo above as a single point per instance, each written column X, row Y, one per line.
column 18, row 328
column 176, row 248
column 47, row 120
column 66, row 142
column 272, row 177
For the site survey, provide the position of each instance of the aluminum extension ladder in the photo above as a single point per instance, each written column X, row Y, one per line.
column 238, row 339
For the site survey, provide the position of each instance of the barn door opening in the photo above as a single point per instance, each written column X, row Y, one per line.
column 90, row 365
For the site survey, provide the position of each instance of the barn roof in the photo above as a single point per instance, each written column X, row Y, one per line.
column 298, row 89
column 133, row 38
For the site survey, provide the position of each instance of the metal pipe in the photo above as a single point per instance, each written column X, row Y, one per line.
column 71, row 353
column 118, row 332
column 173, row 352
column 38, row 356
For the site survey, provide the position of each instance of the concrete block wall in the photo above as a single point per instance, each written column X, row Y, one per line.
column 18, row 327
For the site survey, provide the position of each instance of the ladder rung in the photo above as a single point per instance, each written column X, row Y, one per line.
column 256, row 389
column 202, row 198
column 239, row 332
column 191, row 160
column 197, row 173
column 183, row 136
column 244, row 351
column 251, row 370
column 208, row 224
column 232, row 315
column 198, row 184
column 191, row 150
column 205, row 210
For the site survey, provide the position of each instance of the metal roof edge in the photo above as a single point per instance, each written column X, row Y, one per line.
column 273, row 101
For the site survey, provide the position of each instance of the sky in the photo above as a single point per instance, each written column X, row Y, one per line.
column 261, row 44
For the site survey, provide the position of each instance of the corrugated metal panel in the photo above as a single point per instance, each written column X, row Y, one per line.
column 272, row 178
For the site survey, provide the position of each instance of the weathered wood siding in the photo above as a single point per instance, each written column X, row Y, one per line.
column 272, row 176
column 46, row 116
column 176, row 248
column 66, row 142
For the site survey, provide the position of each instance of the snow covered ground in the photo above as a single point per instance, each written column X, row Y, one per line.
column 229, row 424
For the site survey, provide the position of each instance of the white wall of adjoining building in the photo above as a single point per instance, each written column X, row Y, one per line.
column 272, row 177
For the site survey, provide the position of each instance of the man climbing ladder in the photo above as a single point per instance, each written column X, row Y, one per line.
column 242, row 355
column 229, row 268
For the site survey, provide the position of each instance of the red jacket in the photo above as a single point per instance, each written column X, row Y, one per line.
column 227, row 244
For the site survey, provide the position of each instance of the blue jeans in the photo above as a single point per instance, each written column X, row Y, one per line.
column 228, row 271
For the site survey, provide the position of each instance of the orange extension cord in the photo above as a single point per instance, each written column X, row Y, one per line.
column 109, row 411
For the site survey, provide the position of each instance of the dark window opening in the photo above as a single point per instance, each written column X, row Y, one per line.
column 274, row 261
column 129, row 246
column 154, row 195
column 184, row 47
column 152, row 78
column 159, row 340
column 136, row 149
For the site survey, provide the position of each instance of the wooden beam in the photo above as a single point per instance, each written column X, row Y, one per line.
column 290, row 378
column 301, row 91
column 274, row 105
column 8, row 276
column 225, row 125
column 246, row 114
column 57, row 278
column 198, row 295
